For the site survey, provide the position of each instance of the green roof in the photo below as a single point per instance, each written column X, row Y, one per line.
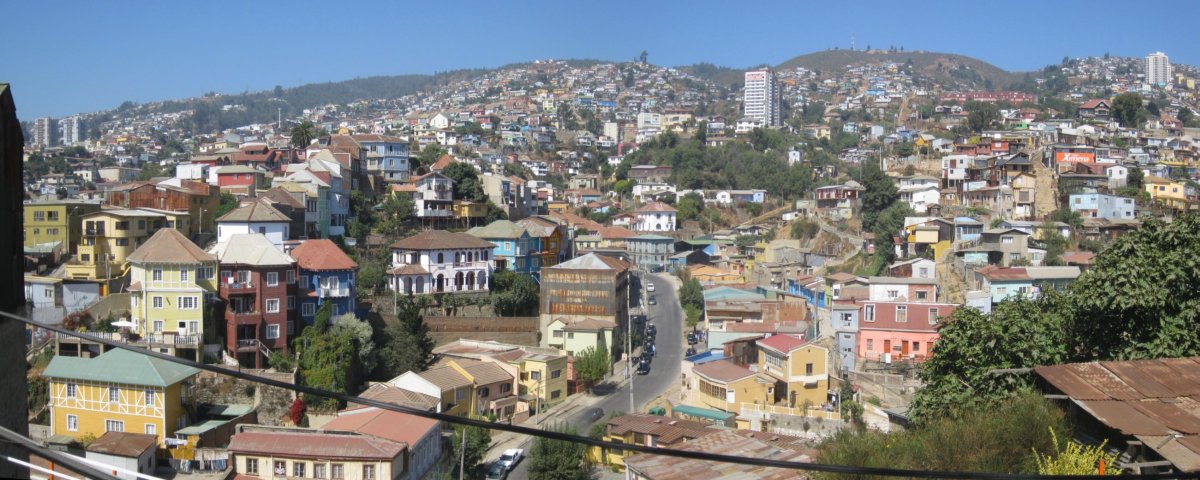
column 651, row 237
column 200, row 428
column 498, row 229
column 698, row 412
column 730, row 293
column 120, row 366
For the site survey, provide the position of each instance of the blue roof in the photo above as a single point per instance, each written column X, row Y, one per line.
column 705, row 357
column 702, row 412
column 730, row 293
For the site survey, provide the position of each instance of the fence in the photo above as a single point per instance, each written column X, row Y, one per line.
column 482, row 324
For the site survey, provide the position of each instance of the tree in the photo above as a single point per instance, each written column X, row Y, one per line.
column 429, row 155
column 514, row 294
column 888, row 223
column 1055, row 243
column 982, row 115
column 623, row 187
column 690, row 206
column 692, row 314
column 466, row 182
column 1135, row 178
column 1127, row 109
column 476, row 441
column 1186, row 116
column 559, row 459
column 304, row 133
column 690, row 292
column 328, row 357
column 405, row 346
column 880, row 193
column 397, row 210
column 1076, row 459
column 228, row 202
column 592, row 365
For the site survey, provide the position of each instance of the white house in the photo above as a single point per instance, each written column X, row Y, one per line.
column 644, row 191
column 439, row 121
column 130, row 452
column 654, row 217
column 920, row 268
column 433, row 194
column 920, row 197
column 254, row 216
column 437, row 261
column 1118, row 176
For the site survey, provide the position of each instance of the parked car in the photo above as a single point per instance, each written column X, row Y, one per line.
column 496, row 472
column 643, row 367
column 649, row 286
column 510, row 458
column 692, row 338
column 690, row 351
column 652, row 329
column 653, row 301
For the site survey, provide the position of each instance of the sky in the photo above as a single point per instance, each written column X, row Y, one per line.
column 72, row 56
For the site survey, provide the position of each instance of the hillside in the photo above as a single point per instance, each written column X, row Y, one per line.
column 940, row 67
column 724, row 76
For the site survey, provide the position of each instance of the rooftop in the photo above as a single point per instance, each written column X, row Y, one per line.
column 315, row 444
column 322, row 254
column 441, row 240
column 119, row 366
column 168, row 245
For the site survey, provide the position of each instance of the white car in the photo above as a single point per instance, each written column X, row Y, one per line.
column 649, row 286
column 510, row 458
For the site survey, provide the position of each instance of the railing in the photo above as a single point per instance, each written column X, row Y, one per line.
column 238, row 285
column 187, row 340
column 247, row 342
column 239, row 317
column 475, row 264
column 97, row 335
column 756, row 409
column 333, row 292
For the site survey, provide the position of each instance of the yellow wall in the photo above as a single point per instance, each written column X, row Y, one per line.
column 746, row 390
column 92, row 407
column 118, row 243
column 171, row 288
column 800, row 358
column 60, row 222
column 1171, row 194
column 547, row 384
column 351, row 469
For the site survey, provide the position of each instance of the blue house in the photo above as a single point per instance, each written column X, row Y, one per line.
column 516, row 250
column 326, row 275
column 809, row 288
column 967, row 229
column 651, row 251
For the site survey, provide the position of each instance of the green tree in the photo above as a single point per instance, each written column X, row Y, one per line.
column 880, row 193
column 690, row 206
column 327, row 357
column 690, row 290
column 1076, row 459
column 395, row 215
column 514, row 294
column 476, row 441
column 1127, row 109
column 228, row 202
column 429, row 155
column 1055, row 243
column 692, row 316
column 592, row 365
column 405, row 346
column 467, row 185
column 304, row 133
column 151, row 170
column 623, row 187
column 887, row 224
column 1186, row 116
column 559, row 459
column 982, row 115
column 1135, row 178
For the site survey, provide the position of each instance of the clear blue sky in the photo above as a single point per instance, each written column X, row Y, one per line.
column 64, row 57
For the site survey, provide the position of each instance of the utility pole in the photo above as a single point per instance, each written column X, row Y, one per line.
column 629, row 337
column 462, row 453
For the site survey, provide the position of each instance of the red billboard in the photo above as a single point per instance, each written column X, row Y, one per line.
column 1074, row 157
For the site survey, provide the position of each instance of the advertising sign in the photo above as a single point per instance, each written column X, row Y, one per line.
column 1074, row 157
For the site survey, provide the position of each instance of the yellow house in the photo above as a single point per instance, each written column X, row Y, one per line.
column 542, row 372
column 303, row 453
column 725, row 386
column 1169, row 193
column 558, row 206
column 575, row 336
column 56, row 221
column 469, row 210
column 169, row 279
column 109, row 237
column 709, row 275
column 800, row 370
column 645, row 430
column 121, row 391
column 468, row 388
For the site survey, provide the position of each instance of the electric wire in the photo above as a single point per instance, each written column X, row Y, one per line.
column 552, row 435
column 55, row 456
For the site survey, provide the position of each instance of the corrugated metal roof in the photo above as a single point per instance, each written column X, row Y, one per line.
column 119, row 366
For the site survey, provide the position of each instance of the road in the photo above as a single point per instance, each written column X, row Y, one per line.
column 667, row 316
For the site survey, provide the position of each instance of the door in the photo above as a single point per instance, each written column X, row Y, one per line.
column 887, row 346
column 904, row 348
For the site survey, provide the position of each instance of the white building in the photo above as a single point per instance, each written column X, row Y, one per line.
column 44, row 132
column 437, row 261
column 1158, row 69
column 72, row 130
column 761, row 97
column 254, row 217
column 654, row 217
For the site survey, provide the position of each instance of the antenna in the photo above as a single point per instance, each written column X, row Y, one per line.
column 851, row 41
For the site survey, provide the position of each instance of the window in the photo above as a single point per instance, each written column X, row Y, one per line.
column 505, row 388
column 922, row 295
column 924, row 272
column 114, row 394
column 158, row 325
column 933, row 316
column 307, row 309
column 124, row 225
column 122, row 242
column 151, row 429
column 291, row 327
column 39, row 215
column 243, row 277
column 555, row 394
column 272, row 332
column 114, row 426
column 272, row 279
column 252, row 466
column 869, row 313
column 460, row 395
column 558, row 334
column 272, row 305
column 318, row 470
column 916, row 346
column 148, row 397
column 368, row 472
column 901, row 313
column 808, row 369
column 189, row 303
column 291, row 302
column 535, row 375
column 1007, row 239
column 204, row 273
column 892, row 294
column 183, row 274
column 335, row 471
column 156, row 275
column 298, row 469
column 280, row 468
column 570, row 334
column 291, row 277
column 870, row 345
column 485, row 392
column 157, row 302
column 556, row 374
column 303, row 280
column 72, row 423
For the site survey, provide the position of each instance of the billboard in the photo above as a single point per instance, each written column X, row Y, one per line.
column 1074, row 157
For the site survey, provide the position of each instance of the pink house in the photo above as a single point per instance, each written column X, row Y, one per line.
column 906, row 330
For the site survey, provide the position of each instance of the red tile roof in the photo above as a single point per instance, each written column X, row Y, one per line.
column 386, row 424
column 314, row 444
column 442, row 240
column 782, row 343
column 722, row 371
column 322, row 254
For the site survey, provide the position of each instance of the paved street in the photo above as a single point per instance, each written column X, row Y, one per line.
column 667, row 315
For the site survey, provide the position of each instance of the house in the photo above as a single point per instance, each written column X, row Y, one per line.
column 255, row 216
column 646, row 430
column 1001, row 246
column 238, row 179
column 133, row 452
column 1112, row 401
column 434, row 195
column 1024, row 186
column 1097, row 108
column 551, row 237
column 298, row 453
column 650, row 251
column 326, row 183
column 654, row 217
column 1168, row 193
column 899, row 330
column 109, row 237
column 426, row 450
column 326, row 275
column 1099, row 205
column 839, row 201
column 387, row 156
column 118, row 391
column 515, row 250
column 583, row 300
column 170, row 281
column 915, row 268
column 845, row 325
column 726, row 386
column 258, row 286
column 1027, row 282
column 48, row 221
column 53, row 298
column 800, row 369
column 903, row 289
column 469, row 388
column 199, row 200
column 436, row 261
column 542, row 371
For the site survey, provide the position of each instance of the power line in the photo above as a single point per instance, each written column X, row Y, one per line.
column 58, row 457
column 552, row 435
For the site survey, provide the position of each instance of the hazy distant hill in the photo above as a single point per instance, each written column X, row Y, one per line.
column 940, row 67
column 720, row 75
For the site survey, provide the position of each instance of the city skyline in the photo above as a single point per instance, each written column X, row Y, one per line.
column 149, row 52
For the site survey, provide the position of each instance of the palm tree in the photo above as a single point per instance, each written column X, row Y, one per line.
column 303, row 134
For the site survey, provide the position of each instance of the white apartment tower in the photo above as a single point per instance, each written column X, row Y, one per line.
column 762, row 98
column 44, row 132
column 1158, row 69
column 72, row 130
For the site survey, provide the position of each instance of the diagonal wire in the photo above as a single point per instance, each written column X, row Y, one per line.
column 551, row 435
column 58, row 457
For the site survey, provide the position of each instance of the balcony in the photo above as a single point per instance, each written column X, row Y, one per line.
column 247, row 344
column 333, row 292
column 475, row 264
column 171, row 339
column 243, row 318
column 238, row 287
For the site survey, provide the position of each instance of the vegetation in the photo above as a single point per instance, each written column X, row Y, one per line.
column 514, row 294
column 592, row 365
column 689, row 207
column 982, row 115
column 467, row 185
column 328, row 357
column 467, row 449
column 803, row 228
column 405, row 346
column 303, row 134
column 1005, row 436
column 692, row 315
column 691, row 293
column 1076, row 459
column 1127, row 109
column 558, row 459
column 227, row 203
